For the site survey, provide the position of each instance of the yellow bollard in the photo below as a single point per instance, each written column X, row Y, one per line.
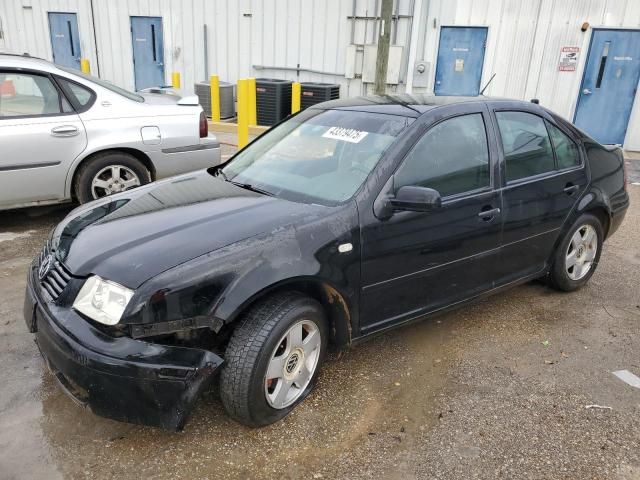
column 253, row 112
column 244, row 113
column 175, row 80
column 84, row 66
column 214, row 84
column 295, row 97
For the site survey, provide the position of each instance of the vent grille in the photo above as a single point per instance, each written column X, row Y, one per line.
column 54, row 277
column 313, row 93
column 273, row 100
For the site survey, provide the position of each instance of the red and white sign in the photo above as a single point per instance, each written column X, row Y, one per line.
column 568, row 59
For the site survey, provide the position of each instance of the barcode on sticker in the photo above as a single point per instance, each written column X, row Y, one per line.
column 346, row 134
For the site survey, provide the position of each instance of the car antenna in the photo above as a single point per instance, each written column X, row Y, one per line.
column 487, row 84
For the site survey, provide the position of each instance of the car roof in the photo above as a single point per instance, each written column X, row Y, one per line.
column 24, row 61
column 404, row 104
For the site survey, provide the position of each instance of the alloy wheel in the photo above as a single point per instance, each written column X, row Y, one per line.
column 292, row 364
column 581, row 252
column 113, row 179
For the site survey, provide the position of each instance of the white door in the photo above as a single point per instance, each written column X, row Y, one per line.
column 40, row 135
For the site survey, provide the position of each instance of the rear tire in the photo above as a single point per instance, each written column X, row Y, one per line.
column 577, row 256
column 108, row 173
column 267, row 372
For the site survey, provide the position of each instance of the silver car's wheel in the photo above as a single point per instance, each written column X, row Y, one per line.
column 581, row 252
column 292, row 365
column 113, row 179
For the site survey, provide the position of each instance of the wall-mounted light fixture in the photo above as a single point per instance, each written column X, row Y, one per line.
column 585, row 26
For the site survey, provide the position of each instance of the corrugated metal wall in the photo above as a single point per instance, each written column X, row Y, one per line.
column 523, row 44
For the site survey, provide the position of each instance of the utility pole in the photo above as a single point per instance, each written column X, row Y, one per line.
column 382, row 59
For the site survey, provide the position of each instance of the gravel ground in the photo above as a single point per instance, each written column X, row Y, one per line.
column 494, row 390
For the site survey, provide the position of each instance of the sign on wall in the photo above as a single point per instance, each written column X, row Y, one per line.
column 568, row 59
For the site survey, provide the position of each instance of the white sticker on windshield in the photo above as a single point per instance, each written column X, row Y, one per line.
column 347, row 134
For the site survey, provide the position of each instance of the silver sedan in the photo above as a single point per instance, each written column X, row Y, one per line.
column 65, row 135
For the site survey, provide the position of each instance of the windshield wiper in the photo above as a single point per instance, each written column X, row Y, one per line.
column 218, row 171
column 248, row 186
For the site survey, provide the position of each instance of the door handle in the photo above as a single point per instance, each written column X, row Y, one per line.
column 64, row 131
column 586, row 91
column 489, row 214
column 571, row 189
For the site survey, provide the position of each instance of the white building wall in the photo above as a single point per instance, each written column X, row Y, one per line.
column 523, row 43
column 25, row 26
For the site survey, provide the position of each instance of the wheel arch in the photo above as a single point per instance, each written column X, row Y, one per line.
column 594, row 203
column 138, row 154
column 334, row 302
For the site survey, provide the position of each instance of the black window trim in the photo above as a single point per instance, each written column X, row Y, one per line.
column 469, row 193
column 40, row 73
column 59, row 79
column 539, row 176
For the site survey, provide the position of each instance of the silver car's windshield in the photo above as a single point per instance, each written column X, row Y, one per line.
column 318, row 156
column 104, row 84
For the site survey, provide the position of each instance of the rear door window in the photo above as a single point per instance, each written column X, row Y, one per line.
column 567, row 154
column 25, row 95
column 526, row 145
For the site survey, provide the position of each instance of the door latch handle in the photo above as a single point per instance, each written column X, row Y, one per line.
column 586, row 91
column 571, row 189
column 64, row 131
column 487, row 215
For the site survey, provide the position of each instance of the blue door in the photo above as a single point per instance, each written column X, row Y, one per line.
column 65, row 41
column 148, row 53
column 609, row 85
column 460, row 59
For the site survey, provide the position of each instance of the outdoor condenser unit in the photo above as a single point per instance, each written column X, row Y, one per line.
column 313, row 92
column 273, row 100
column 227, row 105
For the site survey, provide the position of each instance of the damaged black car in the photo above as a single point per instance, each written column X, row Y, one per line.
column 350, row 218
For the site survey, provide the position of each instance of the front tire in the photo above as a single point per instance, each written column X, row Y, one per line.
column 577, row 256
column 108, row 173
column 273, row 358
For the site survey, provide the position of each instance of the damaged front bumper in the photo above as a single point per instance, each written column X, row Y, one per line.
column 118, row 378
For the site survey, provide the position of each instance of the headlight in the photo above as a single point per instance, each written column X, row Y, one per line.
column 102, row 300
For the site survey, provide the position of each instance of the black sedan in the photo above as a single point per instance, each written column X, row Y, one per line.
column 345, row 220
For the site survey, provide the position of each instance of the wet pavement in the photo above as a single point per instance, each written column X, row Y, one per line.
column 498, row 389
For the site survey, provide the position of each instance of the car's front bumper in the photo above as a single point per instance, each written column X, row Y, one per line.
column 119, row 378
column 173, row 161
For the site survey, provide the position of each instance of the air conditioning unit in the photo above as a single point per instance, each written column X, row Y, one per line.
column 313, row 92
column 273, row 100
column 227, row 104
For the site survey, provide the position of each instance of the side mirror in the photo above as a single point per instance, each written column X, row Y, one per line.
column 416, row 199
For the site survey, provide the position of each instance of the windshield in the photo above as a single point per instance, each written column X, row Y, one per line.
column 318, row 156
column 103, row 83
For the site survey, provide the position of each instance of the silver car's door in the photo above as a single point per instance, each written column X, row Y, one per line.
column 40, row 136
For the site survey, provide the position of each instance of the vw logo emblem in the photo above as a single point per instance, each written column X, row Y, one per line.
column 45, row 266
column 292, row 363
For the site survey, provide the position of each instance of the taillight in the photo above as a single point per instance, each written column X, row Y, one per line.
column 204, row 128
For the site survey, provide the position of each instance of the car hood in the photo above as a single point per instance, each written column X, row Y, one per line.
column 131, row 237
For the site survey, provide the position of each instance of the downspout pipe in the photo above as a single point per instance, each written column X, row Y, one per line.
column 413, row 44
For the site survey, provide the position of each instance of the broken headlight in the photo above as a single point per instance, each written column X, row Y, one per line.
column 102, row 300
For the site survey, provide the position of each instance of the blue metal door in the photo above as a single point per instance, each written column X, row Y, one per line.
column 65, row 41
column 609, row 84
column 460, row 59
column 148, row 53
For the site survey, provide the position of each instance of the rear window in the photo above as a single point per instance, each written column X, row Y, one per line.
column 104, row 84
